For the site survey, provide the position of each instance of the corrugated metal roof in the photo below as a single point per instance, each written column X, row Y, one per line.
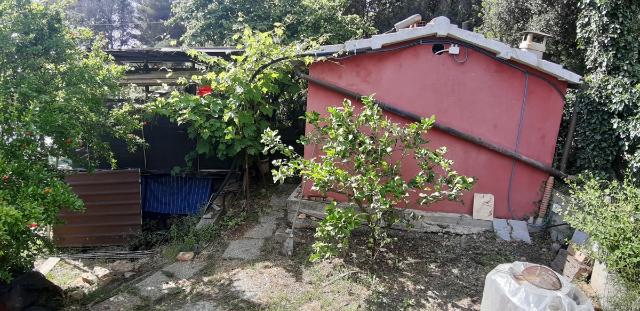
column 442, row 27
column 172, row 54
column 112, row 209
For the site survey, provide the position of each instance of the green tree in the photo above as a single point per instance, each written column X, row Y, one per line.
column 215, row 21
column 112, row 18
column 361, row 156
column 52, row 98
column 385, row 13
column 247, row 91
column 505, row 20
column 151, row 23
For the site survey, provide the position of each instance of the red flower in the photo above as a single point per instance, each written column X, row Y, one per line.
column 204, row 90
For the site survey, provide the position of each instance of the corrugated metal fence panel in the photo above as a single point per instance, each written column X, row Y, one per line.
column 112, row 209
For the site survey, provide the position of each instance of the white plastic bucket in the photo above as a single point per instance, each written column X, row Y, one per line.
column 504, row 290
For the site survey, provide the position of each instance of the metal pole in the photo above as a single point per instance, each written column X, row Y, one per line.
column 569, row 139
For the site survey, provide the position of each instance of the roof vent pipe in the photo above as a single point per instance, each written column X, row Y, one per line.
column 534, row 42
column 415, row 18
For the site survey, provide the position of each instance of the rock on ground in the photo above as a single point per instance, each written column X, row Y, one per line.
column 185, row 256
column 89, row 278
column 122, row 266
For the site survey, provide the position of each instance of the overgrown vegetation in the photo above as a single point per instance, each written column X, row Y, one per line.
column 610, row 213
column 361, row 156
column 607, row 136
column 215, row 21
column 184, row 236
column 52, row 98
column 246, row 93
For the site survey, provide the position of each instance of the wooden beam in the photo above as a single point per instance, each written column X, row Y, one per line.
column 156, row 78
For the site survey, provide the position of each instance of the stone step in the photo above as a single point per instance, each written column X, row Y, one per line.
column 245, row 249
column 261, row 231
column 511, row 230
column 307, row 214
column 159, row 283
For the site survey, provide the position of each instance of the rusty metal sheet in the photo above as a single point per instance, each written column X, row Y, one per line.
column 112, row 214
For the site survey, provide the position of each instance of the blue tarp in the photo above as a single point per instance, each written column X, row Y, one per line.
column 174, row 195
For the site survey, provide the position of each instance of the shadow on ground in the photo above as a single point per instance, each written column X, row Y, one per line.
column 420, row 271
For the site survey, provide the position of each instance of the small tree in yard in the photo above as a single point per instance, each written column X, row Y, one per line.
column 52, row 103
column 361, row 158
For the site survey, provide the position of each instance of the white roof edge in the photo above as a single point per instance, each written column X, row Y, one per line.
column 442, row 27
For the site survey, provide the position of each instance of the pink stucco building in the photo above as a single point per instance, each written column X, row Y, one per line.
column 507, row 97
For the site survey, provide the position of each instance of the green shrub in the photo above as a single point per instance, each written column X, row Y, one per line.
column 627, row 299
column 334, row 231
column 609, row 211
column 40, row 194
column 53, row 87
column 361, row 157
column 230, row 120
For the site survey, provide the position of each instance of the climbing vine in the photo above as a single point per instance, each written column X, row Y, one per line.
column 608, row 131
